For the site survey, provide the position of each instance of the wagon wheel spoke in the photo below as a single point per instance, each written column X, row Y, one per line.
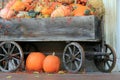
column 13, row 48
column 73, row 57
column 76, row 64
column 77, row 53
column 78, row 59
column 70, row 50
column 6, row 65
column 109, row 60
column 108, row 64
column 4, row 50
column 2, row 55
column 3, row 59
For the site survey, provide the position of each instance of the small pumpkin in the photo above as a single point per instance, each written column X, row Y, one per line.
column 46, row 10
column 81, row 11
column 51, row 64
column 34, row 61
column 18, row 6
column 61, row 11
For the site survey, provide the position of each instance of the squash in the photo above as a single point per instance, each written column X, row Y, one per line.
column 82, row 2
column 38, row 7
column 81, row 11
column 34, row 61
column 66, row 1
column 6, row 13
column 18, row 6
column 54, row 5
column 10, row 3
column 28, row 1
column 51, row 64
column 61, row 11
column 46, row 10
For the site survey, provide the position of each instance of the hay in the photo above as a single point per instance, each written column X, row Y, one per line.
column 98, row 6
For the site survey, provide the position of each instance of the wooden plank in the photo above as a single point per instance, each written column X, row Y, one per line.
column 50, row 29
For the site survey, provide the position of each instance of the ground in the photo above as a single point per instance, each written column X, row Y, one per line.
column 60, row 76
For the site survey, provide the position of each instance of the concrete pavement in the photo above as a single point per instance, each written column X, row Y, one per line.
column 66, row 76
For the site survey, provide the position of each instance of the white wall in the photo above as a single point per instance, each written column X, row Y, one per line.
column 112, row 27
column 118, row 35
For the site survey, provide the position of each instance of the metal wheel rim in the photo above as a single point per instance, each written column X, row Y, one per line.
column 74, row 58
column 11, row 56
column 107, row 64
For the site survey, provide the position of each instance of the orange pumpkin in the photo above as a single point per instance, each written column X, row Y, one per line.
column 51, row 64
column 81, row 11
column 34, row 61
column 61, row 11
column 54, row 5
column 46, row 10
column 18, row 6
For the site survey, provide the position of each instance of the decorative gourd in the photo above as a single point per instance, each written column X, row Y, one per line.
column 61, row 11
column 51, row 64
column 30, row 6
column 18, row 6
column 46, row 10
column 38, row 7
column 34, row 61
column 81, row 11
column 28, row 1
column 10, row 3
column 54, row 5
column 82, row 2
column 66, row 1
column 6, row 13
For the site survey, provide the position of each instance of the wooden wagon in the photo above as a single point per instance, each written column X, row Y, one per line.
column 83, row 35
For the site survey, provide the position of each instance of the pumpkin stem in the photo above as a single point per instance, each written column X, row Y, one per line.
column 53, row 53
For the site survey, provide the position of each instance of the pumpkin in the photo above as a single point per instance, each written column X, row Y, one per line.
column 66, row 1
column 46, row 10
column 51, row 64
column 61, row 11
column 81, row 11
column 54, row 5
column 7, row 13
column 18, row 6
column 30, row 6
column 34, row 61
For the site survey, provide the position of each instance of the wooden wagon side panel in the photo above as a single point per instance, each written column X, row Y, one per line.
column 50, row 29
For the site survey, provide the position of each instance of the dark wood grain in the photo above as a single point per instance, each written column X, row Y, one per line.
column 49, row 29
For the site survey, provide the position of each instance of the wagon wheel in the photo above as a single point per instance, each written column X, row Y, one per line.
column 11, row 56
column 106, row 63
column 73, row 57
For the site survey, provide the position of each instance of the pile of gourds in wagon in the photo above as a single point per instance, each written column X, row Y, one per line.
column 45, row 8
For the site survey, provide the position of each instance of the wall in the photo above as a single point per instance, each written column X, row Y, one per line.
column 118, row 36
column 111, row 28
